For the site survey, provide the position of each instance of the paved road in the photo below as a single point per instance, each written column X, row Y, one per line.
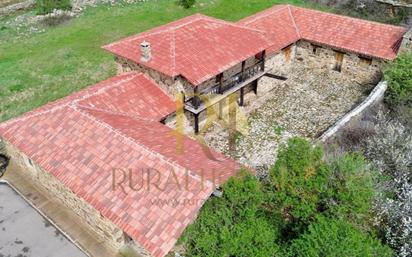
column 26, row 233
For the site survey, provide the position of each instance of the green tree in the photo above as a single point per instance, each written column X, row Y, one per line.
column 399, row 77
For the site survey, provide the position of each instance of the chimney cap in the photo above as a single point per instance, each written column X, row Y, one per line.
column 146, row 51
column 145, row 43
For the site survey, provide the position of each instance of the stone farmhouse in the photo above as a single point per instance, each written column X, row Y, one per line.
column 208, row 59
column 89, row 149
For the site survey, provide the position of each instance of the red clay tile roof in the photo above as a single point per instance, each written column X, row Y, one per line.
column 82, row 138
column 350, row 34
column 339, row 32
column 197, row 47
column 140, row 97
column 161, row 139
column 277, row 23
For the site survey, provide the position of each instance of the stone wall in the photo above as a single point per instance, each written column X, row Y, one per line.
column 105, row 230
column 17, row 7
column 364, row 70
column 407, row 41
column 172, row 86
column 280, row 63
column 351, row 64
column 168, row 84
column 215, row 112
column 375, row 97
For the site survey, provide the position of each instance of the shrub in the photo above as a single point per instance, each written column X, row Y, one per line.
column 186, row 3
column 334, row 237
column 394, row 217
column 351, row 187
column 294, row 206
column 390, row 150
column 47, row 6
column 399, row 77
column 298, row 179
column 232, row 225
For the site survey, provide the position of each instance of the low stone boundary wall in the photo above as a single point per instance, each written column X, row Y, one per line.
column 15, row 7
column 374, row 97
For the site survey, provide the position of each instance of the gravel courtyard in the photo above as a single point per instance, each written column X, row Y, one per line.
column 311, row 100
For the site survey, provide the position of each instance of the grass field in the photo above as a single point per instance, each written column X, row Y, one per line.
column 46, row 66
column 68, row 57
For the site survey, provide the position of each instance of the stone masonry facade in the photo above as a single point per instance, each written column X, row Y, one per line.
column 174, row 86
column 279, row 63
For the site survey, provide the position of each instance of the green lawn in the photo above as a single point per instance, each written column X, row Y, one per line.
column 68, row 57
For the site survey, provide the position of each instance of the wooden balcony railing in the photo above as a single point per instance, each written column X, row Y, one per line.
column 226, row 87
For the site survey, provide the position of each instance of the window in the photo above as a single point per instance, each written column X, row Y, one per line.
column 315, row 48
column 339, row 61
column 287, row 52
column 365, row 60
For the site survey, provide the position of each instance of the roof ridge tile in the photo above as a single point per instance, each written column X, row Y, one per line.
column 347, row 17
column 294, row 22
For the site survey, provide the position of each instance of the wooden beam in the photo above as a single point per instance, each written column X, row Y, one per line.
column 273, row 76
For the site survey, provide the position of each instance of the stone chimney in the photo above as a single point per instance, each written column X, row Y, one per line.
column 146, row 51
column 407, row 41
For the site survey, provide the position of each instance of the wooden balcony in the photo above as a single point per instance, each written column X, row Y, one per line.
column 223, row 88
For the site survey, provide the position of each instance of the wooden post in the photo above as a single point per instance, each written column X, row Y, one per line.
column 254, row 85
column 242, row 74
column 183, row 97
column 196, row 123
column 241, row 96
column 262, row 67
column 195, row 98
column 220, row 78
